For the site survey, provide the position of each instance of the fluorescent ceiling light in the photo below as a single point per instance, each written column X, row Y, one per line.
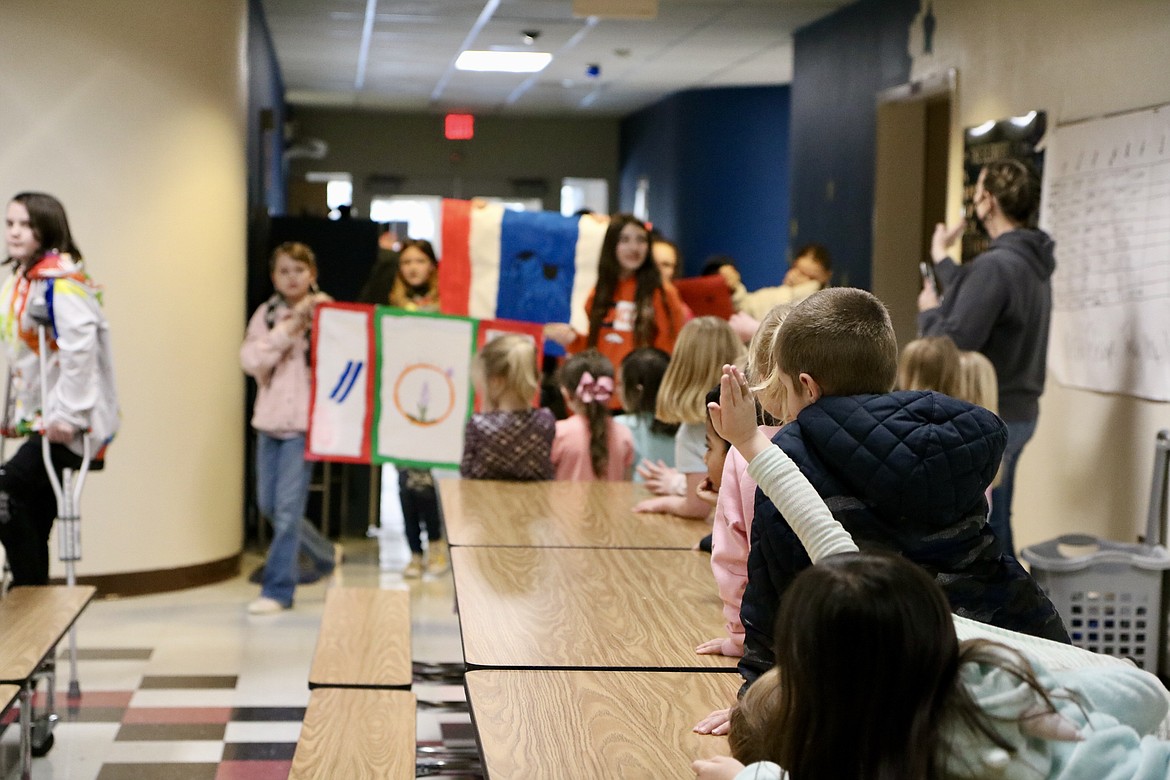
column 1025, row 120
column 982, row 129
column 504, row 61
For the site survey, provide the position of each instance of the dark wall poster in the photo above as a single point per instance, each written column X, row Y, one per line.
column 1021, row 137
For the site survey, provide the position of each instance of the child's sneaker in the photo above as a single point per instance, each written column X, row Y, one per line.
column 414, row 569
column 265, row 606
column 438, row 560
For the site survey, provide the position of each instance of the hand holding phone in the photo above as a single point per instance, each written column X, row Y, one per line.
column 928, row 280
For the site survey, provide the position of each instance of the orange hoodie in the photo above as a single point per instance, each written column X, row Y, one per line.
column 615, row 338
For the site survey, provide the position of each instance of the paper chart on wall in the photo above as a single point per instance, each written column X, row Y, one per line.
column 1106, row 203
column 423, row 388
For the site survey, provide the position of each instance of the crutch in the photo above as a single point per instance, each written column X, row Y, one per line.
column 67, row 490
column 6, row 430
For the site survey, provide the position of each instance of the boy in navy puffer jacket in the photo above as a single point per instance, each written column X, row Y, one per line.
column 902, row 471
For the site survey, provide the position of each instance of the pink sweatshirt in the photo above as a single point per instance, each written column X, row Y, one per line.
column 731, row 540
column 276, row 360
column 570, row 451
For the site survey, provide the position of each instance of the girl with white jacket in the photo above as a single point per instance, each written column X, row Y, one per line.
column 48, row 286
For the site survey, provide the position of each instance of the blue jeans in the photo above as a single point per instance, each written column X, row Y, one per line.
column 1001, row 497
column 282, row 490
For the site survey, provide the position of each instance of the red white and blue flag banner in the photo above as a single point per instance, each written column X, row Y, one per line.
column 530, row 266
column 391, row 386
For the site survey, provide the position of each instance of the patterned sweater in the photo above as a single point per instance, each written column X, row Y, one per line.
column 509, row 445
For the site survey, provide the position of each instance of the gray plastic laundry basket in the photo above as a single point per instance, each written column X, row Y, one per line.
column 1110, row 598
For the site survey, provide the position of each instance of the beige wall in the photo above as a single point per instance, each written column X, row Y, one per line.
column 133, row 115
column 1088, row 467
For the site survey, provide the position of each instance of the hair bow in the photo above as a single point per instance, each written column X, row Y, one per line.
column 590, row 389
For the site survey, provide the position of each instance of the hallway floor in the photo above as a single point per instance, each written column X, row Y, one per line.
column 188, row 686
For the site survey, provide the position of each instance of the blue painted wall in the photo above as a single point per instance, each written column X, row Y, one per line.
column 717, row 161
column 841, row 62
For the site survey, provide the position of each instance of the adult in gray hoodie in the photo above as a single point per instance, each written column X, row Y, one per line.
column 1000, row 304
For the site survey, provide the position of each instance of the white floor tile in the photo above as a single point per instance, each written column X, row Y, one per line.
column 206, row 631
column 149, row 752
column 262, row 731
column 217, row 697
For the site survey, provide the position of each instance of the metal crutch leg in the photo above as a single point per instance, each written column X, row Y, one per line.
column 67, row 490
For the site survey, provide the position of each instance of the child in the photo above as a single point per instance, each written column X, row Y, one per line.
column 810, row 271
column 978, row 383
column 508, row 439
column 416, row 288
column 641, row 375
column 47, row 266
column 714, row 458
column 589, row 445
column 704, row 346
column 903, row 471
column 631, row 306
column 735, row 507
column 276, row 354
column 931, row 363
column 913, row 702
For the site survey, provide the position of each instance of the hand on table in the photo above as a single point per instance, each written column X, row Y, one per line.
column 660, row 479
column 717, row 723
column 716, row 768
column 718, row 647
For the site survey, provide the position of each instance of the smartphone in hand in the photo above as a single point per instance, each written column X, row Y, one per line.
column 928, row 278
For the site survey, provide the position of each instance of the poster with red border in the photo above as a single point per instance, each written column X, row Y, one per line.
column 490, row 329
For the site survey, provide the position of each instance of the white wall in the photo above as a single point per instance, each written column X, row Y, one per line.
column 133, row 114
column 1088, row 467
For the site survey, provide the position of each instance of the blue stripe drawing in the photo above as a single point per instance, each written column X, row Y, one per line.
column 348, row 378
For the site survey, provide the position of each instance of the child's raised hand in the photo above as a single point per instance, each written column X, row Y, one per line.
column 734, row 417
column 716, row 768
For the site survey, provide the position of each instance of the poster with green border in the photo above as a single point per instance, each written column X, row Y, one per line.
column 423, row 387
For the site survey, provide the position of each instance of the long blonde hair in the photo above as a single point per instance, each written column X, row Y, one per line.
column 704, row 345
column 930, row 363
column 511, row 358
column 763, row 369
column 978, row 383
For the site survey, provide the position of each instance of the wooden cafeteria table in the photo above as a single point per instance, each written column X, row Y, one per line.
column 590, row 723
column 364, row 641
column 33, row 621
column 559, row 514
column 356, row 733
column 565, row 607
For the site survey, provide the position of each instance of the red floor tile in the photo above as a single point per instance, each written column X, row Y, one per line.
column 177, row 715
column 253, row 770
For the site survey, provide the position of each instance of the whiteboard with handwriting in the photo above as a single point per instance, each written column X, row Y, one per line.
column 1106, row 202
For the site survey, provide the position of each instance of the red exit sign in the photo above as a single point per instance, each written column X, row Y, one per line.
column 459, row 127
